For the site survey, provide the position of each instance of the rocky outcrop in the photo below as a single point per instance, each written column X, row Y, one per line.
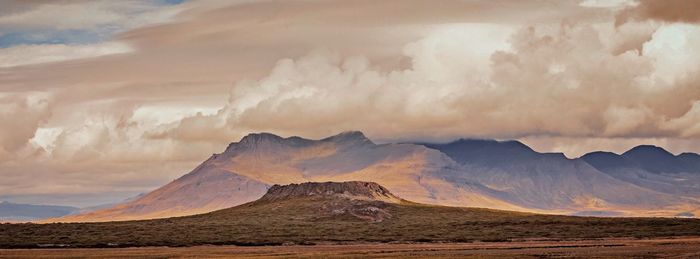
column 352, row 190
column 367, row 201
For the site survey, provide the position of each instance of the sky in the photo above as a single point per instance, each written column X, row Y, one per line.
column 103, row 100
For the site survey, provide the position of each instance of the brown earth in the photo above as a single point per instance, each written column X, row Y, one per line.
column 688, row 247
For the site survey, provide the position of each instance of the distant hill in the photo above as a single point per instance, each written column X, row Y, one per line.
column 507, row 175
column 546, row 181
column 652, row 159
column 15, row 212
column 337, row 212
column 653, row 168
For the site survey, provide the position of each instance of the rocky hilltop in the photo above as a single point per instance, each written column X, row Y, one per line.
column 366, row 201
column 354, row 190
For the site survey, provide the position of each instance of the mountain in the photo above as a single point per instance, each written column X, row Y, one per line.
column 656, row 160
column 505, row 175
column 15, row 212
column 108, row 205
column 692, row 160
column 486, row 152
column 247, row 168
column 653, row 168
column 652, row 159
column 607, row 160
column 337, row 212
column 549, row 181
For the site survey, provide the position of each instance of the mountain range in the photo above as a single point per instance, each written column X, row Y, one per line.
column 509, row 175
column 17, row 212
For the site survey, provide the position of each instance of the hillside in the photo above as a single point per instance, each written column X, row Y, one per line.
column 201, row 191
column 338, row 213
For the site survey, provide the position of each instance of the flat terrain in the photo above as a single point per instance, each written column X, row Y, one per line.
column 607, row 248
column 318, row 220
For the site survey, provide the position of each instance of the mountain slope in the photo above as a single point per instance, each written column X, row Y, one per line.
column 202, row 190
column 338, row 212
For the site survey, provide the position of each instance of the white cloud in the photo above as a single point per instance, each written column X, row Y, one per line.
column 553, row 80
column 34, row 54
column 21, row 117
column 674, row 49
column 608, row 3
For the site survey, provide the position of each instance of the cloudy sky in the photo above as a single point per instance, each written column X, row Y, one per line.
column 102, row 100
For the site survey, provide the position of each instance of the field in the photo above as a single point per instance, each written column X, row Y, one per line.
column 308, row 221
column 609, row 248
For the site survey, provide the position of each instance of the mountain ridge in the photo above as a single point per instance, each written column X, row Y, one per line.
column 19, row 212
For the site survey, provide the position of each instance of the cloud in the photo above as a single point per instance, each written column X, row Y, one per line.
column 34, row 54
column 26, row 115
column 687, row 125
column 101, row 155
column 665, row 11
column 81, row 15
column 204, row 73
column 632, row 36
column 555, row 80
column 76, row 22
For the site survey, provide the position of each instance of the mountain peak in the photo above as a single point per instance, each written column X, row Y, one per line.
column 654, row 159
column 258, row 137
column 486, row 151
column 647, row 150
column 264, row 139
column 603, row 160
column 355, row 190
column 349, row 136
column 491, row 143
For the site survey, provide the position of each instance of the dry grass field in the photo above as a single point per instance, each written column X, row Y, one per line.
column 317, row 220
